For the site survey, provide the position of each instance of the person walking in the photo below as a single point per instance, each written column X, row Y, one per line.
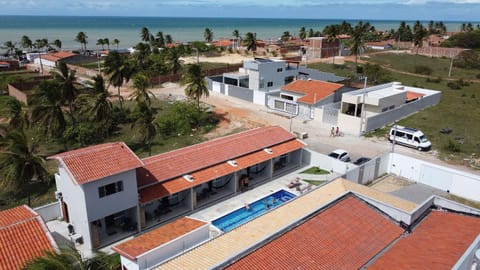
column 337, row 132
column 332, row 132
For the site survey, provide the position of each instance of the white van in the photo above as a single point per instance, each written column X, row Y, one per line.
column 409, row 137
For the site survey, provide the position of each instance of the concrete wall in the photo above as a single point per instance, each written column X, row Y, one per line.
column 383, row 119
column 239, row 92
column 49, row 211
column 17, row 94
column 459, row 183
column 325, row 162
column 101, row 207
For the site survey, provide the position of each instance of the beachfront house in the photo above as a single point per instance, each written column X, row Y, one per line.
column 51, row 59
column 107, row 193
column 367, row 109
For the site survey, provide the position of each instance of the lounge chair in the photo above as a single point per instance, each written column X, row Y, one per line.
column 294, row 183
column 304, row 188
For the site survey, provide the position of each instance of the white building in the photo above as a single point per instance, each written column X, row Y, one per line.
column 374, row 107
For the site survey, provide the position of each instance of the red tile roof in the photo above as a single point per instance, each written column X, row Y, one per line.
column 57, row 56
column 176, row 163
column 413, row 95
column 313, row 90
column 23, row 237
column 134, row 248
column 437, row 243
column 95, row 162
column 202, row 176
column 344, row 236
column 223, row 43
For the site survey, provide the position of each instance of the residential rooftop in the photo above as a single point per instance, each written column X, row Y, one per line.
column 313, row 90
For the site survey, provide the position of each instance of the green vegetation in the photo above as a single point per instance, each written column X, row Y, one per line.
column 315, row 170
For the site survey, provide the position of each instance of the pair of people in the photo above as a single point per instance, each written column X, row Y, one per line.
column 334, row 132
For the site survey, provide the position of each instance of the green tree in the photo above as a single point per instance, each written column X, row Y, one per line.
column 419, row 33
column 100, row 42
column 10, row 46
column 160, row 40
column 196, row 87
column 82, row 39
column 106, row 41
column 332, row 31
column 236, row 35
column 143, row 127
column 168, row 39
column 116, row 42
column 142, row 51
column 251, row 41
column 20, row 161
column 26, row 43
column 118, row 70
column 145, row 35
column 208, row 35
column 58, row 44
column 357, row 45
column 11, row 109
column 141, row 94
column 310, row 33
column 67, row 80
column 68, row 258
column 173, row 59
column 286, row 36
column 302, row 33
column 47, row 100
column 40, row 44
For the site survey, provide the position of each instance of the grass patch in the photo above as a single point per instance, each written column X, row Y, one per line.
column 378, row 133
column 314, row 182
column 464, row 201
column 315, row 170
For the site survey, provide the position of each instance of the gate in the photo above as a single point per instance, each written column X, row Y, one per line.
column 330, row 113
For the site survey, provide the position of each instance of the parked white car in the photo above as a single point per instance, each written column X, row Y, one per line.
column 340, row 154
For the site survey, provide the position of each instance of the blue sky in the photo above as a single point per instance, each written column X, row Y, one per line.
column 446, row 10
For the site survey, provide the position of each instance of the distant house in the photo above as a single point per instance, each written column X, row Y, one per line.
column 52, row 59
column 367, row 109
column 224, row 43
column 256, row 79
column 4, row 65
column 321, row 47
column 379, row 45
column 300, row 97
column 23, row 237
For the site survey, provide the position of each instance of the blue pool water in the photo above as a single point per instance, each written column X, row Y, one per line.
column 241, row 216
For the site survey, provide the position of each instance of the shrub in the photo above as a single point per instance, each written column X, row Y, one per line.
column 478, row 76
column 452, row 146
column 454, row 85
column 434, row 80
column 421, row 69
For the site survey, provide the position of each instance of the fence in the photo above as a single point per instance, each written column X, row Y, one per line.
column 49, row 211
column 177, row 77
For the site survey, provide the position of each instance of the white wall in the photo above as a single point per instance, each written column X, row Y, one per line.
column 349, row 124
column 73, row 195
column 457, row 182
column 101, row 207
column 174, row 247
column 260, row 97
column 325, row 162
column 49, row 211
column 130, row 265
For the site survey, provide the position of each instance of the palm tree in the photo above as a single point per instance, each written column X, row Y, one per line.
column 160, row 40
column 196, row 87
column 106, row 41
column 144, row 128
column 67, row 80
column 20, row 162
column 68, row 258
column 58, row 44
column 145, row 35
column 118, row 69
column 332, row 31
column 251, row 41
column 100, row 42
column 208, row 35
column 98, row 106
column 26, row 43
column 47, row 101
column 286, row 36
column 11, row 109
column 82, row 39
column 168, row 39
column 302, row 33
column 142, row 51
column 141, row 92
column 173, row 58
column 310, row 33
column 10, row 46
column 116, row 42
column 419, row 33
column 39, row 44
column 357, row 40
column 236, row 35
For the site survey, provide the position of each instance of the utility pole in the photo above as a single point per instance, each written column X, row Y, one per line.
column 451, row 65
column 363, row 120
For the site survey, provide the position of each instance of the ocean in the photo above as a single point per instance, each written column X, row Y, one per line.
column 127, row 29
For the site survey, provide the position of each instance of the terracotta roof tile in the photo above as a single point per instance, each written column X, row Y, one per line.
column 57, row 56
column 98, row 161
column 202, row 176
column 344, row 236
column 132, row 249
column 314, row 90
column 23, row 237
column 437, row 243
column 413, row 95
column 172, row 164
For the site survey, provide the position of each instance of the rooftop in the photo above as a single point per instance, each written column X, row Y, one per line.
column 140, row 245
column 57, row 56
column 23, row 237
column 95, row 162
column 339, row 237
column 210, row 153
column 313, row 90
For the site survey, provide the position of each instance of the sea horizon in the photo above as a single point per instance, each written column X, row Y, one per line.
column 182, row 29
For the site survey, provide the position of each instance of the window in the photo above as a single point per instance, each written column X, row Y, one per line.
column 110, row 189
column 286, row 97
column 279, row 69
column 269, row 84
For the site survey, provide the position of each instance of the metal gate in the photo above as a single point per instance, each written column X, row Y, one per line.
column 330, row 113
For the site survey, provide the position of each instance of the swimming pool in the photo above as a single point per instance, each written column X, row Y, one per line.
column 241, row 216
